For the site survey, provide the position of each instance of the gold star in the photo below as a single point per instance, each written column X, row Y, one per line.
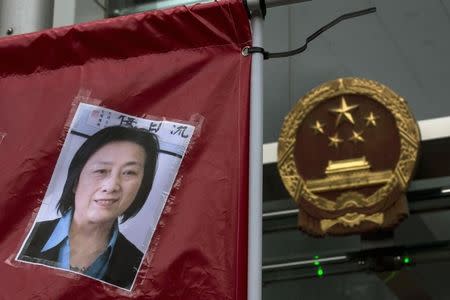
column 371, row 119
column 344, row 110
column 356, row 137
column 334, row 140
column 318, row 127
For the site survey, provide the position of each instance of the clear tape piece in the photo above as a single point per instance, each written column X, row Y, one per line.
column 2, row 137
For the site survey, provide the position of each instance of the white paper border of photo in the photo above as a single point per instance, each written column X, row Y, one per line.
column 174, row 138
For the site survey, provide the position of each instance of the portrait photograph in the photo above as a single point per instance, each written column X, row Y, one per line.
column 106, row 195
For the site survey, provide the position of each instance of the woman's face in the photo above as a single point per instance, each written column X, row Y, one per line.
column 109, row 182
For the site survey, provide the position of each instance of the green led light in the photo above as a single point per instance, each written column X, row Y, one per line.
column 316, row 263
column 406, row 260
column 320, row 272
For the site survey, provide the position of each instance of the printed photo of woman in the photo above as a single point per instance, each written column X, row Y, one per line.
column 108, row 181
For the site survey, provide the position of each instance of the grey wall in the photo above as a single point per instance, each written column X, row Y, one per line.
column 87, row 10
column 68, row 12
column 404, row 45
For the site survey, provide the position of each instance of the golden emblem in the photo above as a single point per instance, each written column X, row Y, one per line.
column 346, row 153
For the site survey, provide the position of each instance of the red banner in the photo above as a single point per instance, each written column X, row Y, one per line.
column 171, row 64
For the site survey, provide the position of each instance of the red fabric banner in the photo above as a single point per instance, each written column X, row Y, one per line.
column 174, row 64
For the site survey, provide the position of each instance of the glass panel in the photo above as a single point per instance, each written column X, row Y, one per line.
column 408, row 263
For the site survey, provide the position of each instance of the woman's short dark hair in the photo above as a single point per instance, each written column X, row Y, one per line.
column 141, row 137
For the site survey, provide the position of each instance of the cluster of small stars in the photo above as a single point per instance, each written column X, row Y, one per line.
column 344, row 114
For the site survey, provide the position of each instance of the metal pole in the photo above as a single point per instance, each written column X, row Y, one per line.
column 254, row 282
column 22, row 16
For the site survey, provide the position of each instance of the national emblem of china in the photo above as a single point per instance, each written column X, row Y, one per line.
column 346, row 154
